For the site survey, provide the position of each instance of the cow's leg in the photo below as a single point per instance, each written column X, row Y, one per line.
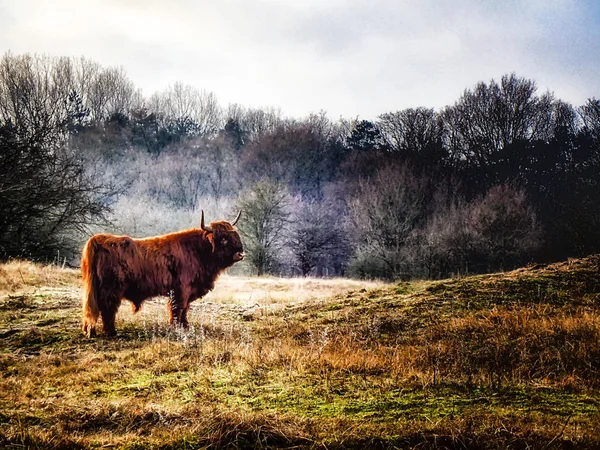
column 178, row 307
column 89, row 329
column 91, row 313
column 184, row 311
column 188, row 297
column 109, row 313
column 175, row 306
column 89, row 323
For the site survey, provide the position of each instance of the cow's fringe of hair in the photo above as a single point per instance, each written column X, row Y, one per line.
column 91, row 312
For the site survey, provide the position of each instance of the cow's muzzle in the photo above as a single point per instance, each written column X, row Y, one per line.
column 238, row 256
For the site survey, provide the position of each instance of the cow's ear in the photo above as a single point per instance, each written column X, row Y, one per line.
column 211, row 239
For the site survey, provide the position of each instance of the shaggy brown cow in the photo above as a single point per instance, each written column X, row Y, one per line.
column 182, row 266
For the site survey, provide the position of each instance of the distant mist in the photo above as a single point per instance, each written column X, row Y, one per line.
column 504, row 176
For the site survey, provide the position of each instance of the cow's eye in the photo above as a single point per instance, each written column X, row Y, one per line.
column 224, row 241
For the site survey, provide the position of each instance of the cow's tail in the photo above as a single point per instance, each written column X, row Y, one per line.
column 91, row 311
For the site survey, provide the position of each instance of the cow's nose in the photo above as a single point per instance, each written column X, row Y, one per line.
column 238, row 256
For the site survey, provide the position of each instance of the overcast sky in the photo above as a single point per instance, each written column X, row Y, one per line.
column 350, row 58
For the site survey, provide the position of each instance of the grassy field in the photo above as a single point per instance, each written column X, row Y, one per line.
column 508, row 360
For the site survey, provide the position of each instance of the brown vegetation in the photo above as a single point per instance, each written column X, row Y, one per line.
column 510, row 360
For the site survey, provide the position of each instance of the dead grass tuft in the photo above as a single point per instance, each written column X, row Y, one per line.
column 17, row 275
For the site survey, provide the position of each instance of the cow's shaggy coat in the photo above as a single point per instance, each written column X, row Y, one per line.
column 182, row 266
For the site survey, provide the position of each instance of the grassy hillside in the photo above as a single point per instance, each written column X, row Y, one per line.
column 508, row 360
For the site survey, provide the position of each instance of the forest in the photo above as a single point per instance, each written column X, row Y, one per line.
column 505, row 176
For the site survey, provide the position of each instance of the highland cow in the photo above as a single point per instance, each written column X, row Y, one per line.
column 182, row 266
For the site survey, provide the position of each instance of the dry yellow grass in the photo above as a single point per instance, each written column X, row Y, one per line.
column 247, row 298
column 507, row 360
column 18, row 275
column 272, row 290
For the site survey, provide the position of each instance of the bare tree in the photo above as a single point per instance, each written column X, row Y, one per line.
column 315, row 234
column 110, row 93
column 264, row 207
column 200, row 166
column 36, row 95
column 384, row 212
column 495, row 115
column 46, row 196
column 295, row 153
column 85, row 74
column 416, row 135
column 506, row 226
column 590, row 114
column 448, row 241
column 257, row 121
column 185, row 101
column 497, row 231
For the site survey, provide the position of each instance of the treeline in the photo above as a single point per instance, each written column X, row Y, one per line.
column 504, row 176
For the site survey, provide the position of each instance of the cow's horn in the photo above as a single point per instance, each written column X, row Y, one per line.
column 204, row 227
column 237, row 218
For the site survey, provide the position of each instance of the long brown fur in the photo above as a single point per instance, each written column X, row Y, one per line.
column 182, row 266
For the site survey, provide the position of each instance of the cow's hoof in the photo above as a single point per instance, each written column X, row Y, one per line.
column 88, row 330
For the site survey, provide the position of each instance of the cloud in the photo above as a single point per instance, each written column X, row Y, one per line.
column 347, row 57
